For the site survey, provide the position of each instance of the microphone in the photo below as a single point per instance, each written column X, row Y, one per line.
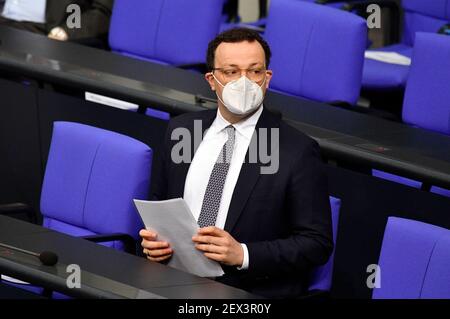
column 47, row 258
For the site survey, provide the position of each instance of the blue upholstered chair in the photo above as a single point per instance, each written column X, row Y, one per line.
column 174, row 32
column 427, row 95
column 260, row 23
column 414, row 261
column 318, row 51
column 419, row 16
column 322, row 277
column 91, row 179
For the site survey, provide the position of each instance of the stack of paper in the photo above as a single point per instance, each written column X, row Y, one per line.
column 173, row 221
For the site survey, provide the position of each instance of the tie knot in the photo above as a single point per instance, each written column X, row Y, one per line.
column 230, row 131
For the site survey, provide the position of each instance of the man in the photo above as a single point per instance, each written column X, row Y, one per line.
column 49, row 17
column 267, row 230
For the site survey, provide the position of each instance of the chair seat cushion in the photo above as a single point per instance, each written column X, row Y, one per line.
column 384, row 76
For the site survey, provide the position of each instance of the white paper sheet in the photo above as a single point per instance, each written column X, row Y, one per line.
column 388, row 57
column 173, row 221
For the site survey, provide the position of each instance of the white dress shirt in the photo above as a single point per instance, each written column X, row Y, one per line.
column 25, row 10
column 203, row 162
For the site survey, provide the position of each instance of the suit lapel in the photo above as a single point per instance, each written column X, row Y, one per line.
column 249, row 175
column 181, row 170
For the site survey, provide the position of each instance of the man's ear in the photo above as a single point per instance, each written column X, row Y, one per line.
column 269, row 74
column 209, row 77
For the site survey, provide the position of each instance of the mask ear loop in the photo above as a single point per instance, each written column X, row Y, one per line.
column 212, row 73
column 216, row 90
column 264, row 82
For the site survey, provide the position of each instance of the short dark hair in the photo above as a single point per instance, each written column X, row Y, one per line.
column 236, row 35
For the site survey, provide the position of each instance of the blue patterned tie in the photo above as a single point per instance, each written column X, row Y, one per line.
column 214, row 189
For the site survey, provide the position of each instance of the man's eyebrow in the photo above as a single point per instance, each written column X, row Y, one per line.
column 236, row 66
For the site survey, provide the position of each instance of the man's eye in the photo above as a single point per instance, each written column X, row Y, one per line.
column 230, row 72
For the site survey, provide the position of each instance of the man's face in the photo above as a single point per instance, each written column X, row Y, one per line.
column 244, row 57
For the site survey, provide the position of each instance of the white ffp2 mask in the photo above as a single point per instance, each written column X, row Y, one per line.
column 241, row 96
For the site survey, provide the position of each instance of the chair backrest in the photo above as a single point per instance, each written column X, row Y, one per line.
column 437, row 281
column 169, row 31
column 91, row 178
column 318, row 52
column 427, row 96
column 423, row 16
column 322, row 277
column 411, row 257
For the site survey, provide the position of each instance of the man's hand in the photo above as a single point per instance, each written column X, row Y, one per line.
column 218, row 245
column 58, row 33
column 153, row 249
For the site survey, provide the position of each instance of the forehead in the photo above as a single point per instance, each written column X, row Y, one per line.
column 242, row 54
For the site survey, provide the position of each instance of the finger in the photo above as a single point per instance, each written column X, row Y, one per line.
column 211, row 230
column 147, row 233
column 211, row 248
column 216, row 257
column 159, row 252
column 158, row 259
column 154, row 244
column 147, row 253
column 219, row 241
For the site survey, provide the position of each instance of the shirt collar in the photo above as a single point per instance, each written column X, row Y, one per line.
column 245, row 127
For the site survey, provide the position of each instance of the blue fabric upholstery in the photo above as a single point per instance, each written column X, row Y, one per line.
column 91, row 179
column 411, row 257
column 324, row 60
column 157, row 114
column 379, row 75
column 397, row 179
column 322, row 277
column 421, row 21
column 437, row 281
column 408, row 182
column 168, row 31
column 427, row 96
column 419, row 16
column 440, row 191
column 92, row 175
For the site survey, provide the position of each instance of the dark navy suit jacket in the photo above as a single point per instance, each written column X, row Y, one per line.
column 283, row 218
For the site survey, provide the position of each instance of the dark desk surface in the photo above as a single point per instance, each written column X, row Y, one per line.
column 342, row 134
column 105, row 272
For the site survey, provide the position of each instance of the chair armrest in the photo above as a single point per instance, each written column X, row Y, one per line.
column 395, row 23
column 127, row 240
column 14, row 209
